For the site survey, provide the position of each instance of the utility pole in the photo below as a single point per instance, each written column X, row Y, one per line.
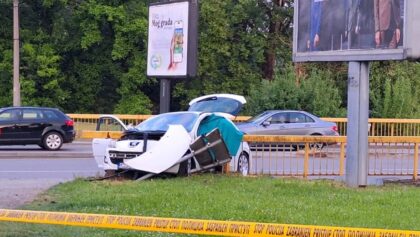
column 16, row 54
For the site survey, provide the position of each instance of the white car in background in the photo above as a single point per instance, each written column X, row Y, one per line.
column 178, row 143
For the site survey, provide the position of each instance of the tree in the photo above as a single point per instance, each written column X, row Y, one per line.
column 6, row 54
column 317, row 94
column 279, row 18
column 395, row 90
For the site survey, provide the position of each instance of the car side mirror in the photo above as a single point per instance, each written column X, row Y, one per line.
column 266, row 123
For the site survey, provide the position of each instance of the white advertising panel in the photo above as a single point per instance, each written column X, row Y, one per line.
column 168, row 39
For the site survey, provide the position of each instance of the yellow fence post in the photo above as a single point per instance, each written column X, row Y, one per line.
column 373, row 133
column 306, row 162
column 342, row 158
column 416, row 160
column 392, row 130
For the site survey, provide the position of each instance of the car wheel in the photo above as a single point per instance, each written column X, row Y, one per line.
column 52, row 141
column 185, row 168
column 243, row 164
column 317, row 146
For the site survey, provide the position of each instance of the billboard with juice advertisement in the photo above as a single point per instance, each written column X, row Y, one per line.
column 172, row 39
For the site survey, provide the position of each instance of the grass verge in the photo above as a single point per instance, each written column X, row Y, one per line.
column 219, row 197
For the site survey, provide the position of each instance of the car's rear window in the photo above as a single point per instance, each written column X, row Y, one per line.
column 217, row 104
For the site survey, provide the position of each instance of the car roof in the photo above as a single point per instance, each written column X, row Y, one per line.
column 285, row 110
column 27, row 107
column 291, row 111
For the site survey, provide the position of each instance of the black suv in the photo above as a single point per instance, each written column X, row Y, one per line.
column 47, row 127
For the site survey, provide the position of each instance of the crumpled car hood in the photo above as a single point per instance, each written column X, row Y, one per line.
column 165, row 153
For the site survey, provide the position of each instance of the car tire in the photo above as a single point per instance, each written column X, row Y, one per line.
column 243, row 164
column 184, row 168
column 42, row 146
column 52, row 141
column 318, row 146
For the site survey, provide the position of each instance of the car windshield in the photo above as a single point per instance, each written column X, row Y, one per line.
column 161, row 122
column 258, row 117
column 217, row 104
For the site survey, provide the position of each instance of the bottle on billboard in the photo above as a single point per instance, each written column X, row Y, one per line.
column 178, row 41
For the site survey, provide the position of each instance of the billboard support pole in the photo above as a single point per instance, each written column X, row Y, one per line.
column 165, row 95
column 357, row 127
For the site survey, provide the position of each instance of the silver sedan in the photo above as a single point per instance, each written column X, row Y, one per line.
column 288, row 122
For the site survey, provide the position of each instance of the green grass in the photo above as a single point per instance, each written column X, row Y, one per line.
column 221, row 197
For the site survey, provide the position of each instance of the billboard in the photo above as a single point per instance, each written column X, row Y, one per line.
column 170, row 40
column 352, row 30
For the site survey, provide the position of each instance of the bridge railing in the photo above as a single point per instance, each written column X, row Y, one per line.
column 378, row 127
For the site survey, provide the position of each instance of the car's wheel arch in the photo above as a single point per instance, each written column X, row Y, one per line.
column 317, row 145
column 316, row 134
column 52, row 129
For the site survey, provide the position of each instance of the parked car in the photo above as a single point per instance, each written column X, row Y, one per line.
column 170, row 142
column 47, row 127
column 289, row 122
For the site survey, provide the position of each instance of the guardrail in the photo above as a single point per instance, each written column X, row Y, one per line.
column 302, row 156
column 378, row 127
column 193, row 226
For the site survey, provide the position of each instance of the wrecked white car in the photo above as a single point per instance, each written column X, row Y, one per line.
column 179, row 143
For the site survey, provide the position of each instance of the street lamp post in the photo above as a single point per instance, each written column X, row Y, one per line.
column 16, row 54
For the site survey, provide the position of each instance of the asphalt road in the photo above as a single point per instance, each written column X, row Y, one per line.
column 25, row 171
column 78, row 149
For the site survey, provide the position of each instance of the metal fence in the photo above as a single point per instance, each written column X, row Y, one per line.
column 378, row 127
column 302, row 156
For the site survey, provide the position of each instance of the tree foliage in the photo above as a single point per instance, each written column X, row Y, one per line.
column 395, row 90
column 316, row 93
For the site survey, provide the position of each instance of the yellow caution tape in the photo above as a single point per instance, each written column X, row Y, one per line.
column 193, row 226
